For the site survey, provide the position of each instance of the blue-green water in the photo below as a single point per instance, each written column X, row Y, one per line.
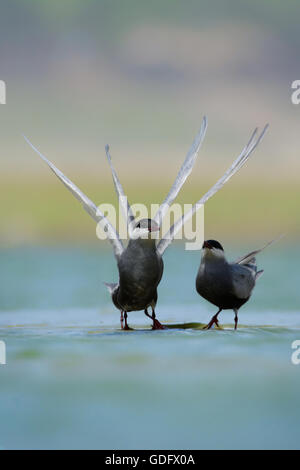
column 74, row 380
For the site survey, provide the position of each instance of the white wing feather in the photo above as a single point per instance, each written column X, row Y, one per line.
column 87, row 204
column 236, row 166
column 184, row 172
column 123, row 201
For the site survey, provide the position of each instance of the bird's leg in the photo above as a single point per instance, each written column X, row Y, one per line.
column 213, row 321
column 156, row 324
column 122, row 320
column 146, row 313
column 126, row 327
column 235, row 318
column 153, row 319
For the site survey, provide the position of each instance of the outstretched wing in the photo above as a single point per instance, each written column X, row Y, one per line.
column 236, row 166
column 87, row 204
column 184, row 172
column 246, row 258
column 123, row 201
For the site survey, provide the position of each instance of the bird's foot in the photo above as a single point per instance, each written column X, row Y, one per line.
column 157, row 325
column 213, row 321
column 127, row 328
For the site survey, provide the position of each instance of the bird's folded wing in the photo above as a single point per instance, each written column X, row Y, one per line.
column 243, row 281
column 123, row 201
column 259, row 274
column 87, row 204
column 236, row 166
column 184, row 172
column 246, row 258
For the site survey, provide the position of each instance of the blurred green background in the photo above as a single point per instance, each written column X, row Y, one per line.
column 140, row 76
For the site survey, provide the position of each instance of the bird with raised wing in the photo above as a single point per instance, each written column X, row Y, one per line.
column 140, row 271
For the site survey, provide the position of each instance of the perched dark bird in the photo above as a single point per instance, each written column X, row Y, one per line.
column 140, row 271
column 226, row 285
column 140, row 263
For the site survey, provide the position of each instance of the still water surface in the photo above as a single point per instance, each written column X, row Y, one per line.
column 74, row 380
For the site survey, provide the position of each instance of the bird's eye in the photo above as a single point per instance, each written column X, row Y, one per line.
column 138, row 226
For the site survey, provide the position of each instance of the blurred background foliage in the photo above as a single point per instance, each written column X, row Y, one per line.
column 140, row 76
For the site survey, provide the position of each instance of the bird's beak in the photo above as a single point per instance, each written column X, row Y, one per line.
column 206, row 245
column 154, row 229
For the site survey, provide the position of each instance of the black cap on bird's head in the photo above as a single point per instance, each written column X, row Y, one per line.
column 211, row 244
